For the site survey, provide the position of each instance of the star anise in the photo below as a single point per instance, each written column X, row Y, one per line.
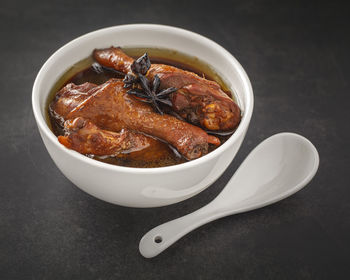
column 147, row 91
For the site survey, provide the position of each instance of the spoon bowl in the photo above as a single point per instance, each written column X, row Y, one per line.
column 277, row 168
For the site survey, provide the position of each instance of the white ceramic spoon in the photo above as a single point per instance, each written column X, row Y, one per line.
column 277, row 168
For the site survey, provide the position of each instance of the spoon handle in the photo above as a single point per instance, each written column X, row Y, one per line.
column 161, row 237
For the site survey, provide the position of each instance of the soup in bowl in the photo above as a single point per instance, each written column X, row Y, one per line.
column 142, row 130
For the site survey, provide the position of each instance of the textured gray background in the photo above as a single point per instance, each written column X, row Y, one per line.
column 296, row 54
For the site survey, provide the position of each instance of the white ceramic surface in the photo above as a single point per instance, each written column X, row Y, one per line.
column 277, row 168
column 137, row 187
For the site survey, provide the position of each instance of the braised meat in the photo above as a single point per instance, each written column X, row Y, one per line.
column 198, row 100
column 86, row 138
column 152, row 115
column 111, row 108
column 68, row 98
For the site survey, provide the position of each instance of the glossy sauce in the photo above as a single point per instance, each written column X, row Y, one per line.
column 82, row 72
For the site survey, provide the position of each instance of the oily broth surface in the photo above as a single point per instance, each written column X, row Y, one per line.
column 82, row 72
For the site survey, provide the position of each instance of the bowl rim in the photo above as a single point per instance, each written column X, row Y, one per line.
column 241, row 129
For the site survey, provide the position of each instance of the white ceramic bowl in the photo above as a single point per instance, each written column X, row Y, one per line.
column 143, row 187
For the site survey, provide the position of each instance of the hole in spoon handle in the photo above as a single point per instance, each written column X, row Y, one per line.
column 153, row 243
column 161, row 237
column 158, row 239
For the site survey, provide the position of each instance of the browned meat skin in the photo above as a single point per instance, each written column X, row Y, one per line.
column 198, row 100
column 111, row 108
column 108, row 58
column 86, row 138
column 68, row 98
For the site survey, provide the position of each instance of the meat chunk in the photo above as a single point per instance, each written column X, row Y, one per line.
column 78, row 130
column 86, row 138
column 198, row 100
column 111, row 108
column 68, row 98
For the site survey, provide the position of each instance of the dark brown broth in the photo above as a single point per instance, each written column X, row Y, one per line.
column 82, row 72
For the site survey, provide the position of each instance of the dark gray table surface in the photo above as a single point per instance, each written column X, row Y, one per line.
column 296, row 54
